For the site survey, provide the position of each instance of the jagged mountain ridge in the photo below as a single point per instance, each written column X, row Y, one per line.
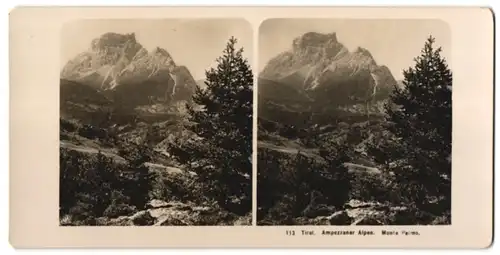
column 121, row 66
column 324, row 67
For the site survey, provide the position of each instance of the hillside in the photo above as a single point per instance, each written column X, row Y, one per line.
column 121, row 108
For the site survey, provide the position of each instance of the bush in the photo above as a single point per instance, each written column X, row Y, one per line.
column 92, row 132
column 120, row 205
column 177, row 187
column 115, row 210
column 82, row 211
column 67, row 125
column 281, row 212
column 291, row 187
column 94, row 186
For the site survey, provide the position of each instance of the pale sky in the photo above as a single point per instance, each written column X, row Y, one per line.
column 195, row 43
column 393, row 43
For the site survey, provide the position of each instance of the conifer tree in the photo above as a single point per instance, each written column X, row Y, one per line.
column 140, row 179
column 419, row 121
column 337, row 179
column 221, row 117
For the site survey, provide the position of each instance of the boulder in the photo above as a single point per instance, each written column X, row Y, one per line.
column 171, row 222
column 318, row 210
column 156, row 203
column 120, row 221
column 142, row 218
column 340, row 218
column 367, row 221
column 243, row 221
column 201, row 209
column 161, row 213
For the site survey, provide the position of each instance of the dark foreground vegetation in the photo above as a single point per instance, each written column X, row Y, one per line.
column 394, row 170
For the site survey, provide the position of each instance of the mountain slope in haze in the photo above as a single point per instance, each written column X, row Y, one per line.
column 83, row 103
column 328, row 72
column 126, row 71
column 201, row 83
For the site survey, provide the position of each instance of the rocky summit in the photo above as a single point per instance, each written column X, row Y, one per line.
column 115, row 62
column 320, row 62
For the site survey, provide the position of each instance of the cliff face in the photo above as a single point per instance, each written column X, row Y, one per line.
column 319, row 62
column 115, row 61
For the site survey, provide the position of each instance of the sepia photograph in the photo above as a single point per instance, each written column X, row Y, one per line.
column 156, row 122
column 354, row 122
column 259, row 127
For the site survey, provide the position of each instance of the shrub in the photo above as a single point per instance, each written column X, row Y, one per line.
column 67, row 125
column 115, row 210
column 181, row 187
column 94, row 186
column 120, row 205
column 291, row 187
column 92, row 132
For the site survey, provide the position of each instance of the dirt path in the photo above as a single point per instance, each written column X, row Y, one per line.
column 288, row 150
column 117, row 158
column 71, row 146
column 313, row 153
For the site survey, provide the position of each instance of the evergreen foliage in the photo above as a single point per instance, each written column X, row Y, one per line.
column 418, row 147
column 221, row 117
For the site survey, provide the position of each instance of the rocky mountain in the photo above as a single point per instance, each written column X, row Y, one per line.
column 120, row 67
column 324, row 69
column 318, row 80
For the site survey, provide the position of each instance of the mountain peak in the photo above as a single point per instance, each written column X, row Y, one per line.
column 364, row 52
column 117, row 59
column 318, row 61
column 160, row 51
column 111, row 39
column 314, row 39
